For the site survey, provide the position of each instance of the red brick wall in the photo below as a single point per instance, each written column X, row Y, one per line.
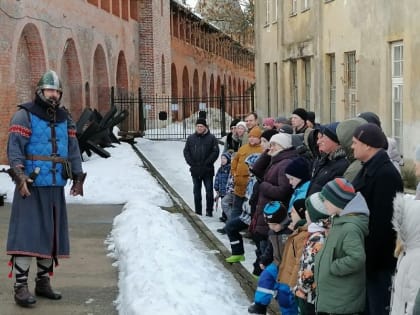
column 65, row 40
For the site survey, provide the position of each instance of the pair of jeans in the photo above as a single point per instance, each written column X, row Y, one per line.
column 378, row 291
column 237, row 206
column 227, row 203
column 208, row 185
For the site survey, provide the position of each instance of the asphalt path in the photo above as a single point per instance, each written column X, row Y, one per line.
column 87, row 280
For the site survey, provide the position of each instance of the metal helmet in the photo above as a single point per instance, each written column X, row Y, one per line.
column 50, row 80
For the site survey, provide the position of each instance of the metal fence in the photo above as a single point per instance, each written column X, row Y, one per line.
column 161, row 118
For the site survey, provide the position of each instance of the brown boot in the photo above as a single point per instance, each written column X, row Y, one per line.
column 43, row 288
column 23, row 297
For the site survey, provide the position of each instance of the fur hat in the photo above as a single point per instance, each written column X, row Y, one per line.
column 269, row 121
column 201, row 121
column 301, row 112
column 242, row 124
column 338, row 191
column 315, row 207
column 300, row 207
column 234, row 122
column 267, row 134
column 371, row 117
column 275, row 212
column 330, row 131
column 284, row 139
column 371, row 135
column 298, row 168
column 255, row 132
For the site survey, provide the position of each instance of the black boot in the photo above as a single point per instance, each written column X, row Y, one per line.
column 23, row 297
column 258, row 309
column 43, row 288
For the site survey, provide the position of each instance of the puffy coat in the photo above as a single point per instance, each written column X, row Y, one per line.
column 406, row 222
column 239, row 168
column 340, row 266
column 274, row 186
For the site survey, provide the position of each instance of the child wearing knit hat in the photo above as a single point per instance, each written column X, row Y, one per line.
column 221, row 180
column 340, row 265
column 268, row 123
column 318, row 224
column 275, row 214
column 298, row 174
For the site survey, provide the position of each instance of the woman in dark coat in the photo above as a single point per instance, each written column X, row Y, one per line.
column 274, row 185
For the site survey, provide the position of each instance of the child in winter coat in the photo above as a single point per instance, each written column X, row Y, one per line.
column 221, row 179
column 406, row 284
column 298, row 174
column 275, row 214
column 340, row 266
column 318, row 223
column 235, row 225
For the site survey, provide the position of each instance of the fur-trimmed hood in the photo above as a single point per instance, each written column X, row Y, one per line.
column 406, row 220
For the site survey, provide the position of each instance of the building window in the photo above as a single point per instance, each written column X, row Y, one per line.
column 275, row 86
column 293, row 9
column 350, row 91
column 267, row 85
column 332, row 86
column 307, row 69
column 274, row 7
column 294, row 82
column 397, row 81
column 267, row 12
column 305, row 5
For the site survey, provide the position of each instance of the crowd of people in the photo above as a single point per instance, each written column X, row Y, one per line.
column 318, row 202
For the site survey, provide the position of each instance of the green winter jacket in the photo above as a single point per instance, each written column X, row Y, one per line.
column 340, row 265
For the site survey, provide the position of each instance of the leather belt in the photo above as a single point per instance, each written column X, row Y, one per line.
column 54, row 159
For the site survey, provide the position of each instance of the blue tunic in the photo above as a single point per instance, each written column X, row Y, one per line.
column 38, row 223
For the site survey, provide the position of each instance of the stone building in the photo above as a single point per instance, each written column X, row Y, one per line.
column 93, row 45
column 339, row 58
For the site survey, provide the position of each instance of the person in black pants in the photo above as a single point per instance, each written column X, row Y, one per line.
column 200, row 152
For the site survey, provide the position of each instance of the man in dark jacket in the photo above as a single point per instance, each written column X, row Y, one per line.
column 200, row 152
column 378, row 181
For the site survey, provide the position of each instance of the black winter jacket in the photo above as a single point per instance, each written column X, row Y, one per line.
column 200, row 153
column 379, row 181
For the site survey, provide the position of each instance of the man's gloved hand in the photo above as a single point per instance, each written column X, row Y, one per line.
column 21, row 180
column 77, row 187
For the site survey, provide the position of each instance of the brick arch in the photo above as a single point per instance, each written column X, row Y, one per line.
column 196, row 90
column 174, row 81
column 122, row 75
column 212, row 86
column 204, row 91
column 30, row 63
column 186, row 90
column 218, row 87
column 71, row 77
column 100, row 84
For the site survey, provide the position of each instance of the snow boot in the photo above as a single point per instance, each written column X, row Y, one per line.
column 235, row 258
column 257, row 309
column 43, row 288
column 22, row 295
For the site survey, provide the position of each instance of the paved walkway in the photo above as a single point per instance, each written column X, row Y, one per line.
column 87, row 280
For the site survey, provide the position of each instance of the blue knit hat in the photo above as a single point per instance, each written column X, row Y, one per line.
column 227, row 155
column 330, row 131
column 275, row 212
